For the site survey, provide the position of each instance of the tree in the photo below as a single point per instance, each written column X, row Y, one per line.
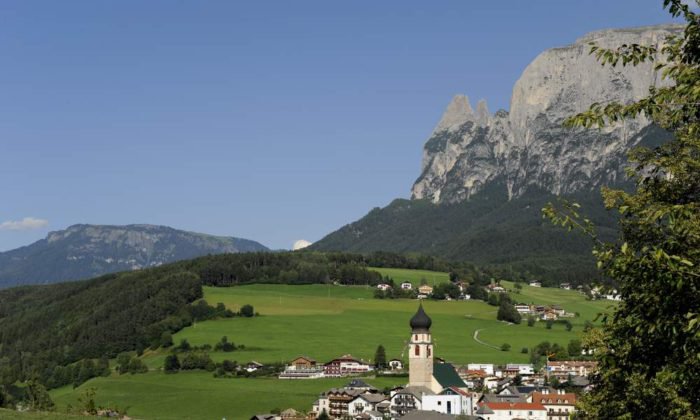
column 574, row 348
column 380, row 357
column 648, row 355
column 507, row 312
column 171, row 364
column 505, row 347
column 247, row 311
column 531, row 321
column 323, row 415
column 166, row 339
column 38, row 397
column 493, row 299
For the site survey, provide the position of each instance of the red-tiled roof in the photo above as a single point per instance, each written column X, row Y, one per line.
column 459, row 391
column 514, row 406
column 554, row 399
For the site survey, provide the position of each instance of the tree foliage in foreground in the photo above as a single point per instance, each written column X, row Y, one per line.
column 649, row 348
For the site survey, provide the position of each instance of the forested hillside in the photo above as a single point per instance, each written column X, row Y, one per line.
column 488, row 231
column 63, row 333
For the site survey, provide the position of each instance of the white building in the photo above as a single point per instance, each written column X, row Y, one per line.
column 395, row 364
column 449, row 401
column 365, row 403
column 406, row 285
column 512, row 410
column 521, row 369
column 535, row 284
column 486, row 367
column 383, row 286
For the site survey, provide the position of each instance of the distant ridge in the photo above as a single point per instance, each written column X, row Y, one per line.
column 84, row 251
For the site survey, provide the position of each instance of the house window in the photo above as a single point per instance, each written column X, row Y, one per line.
column 428, row 351
column 417, row 351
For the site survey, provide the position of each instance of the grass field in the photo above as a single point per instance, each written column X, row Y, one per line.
column 197, row 395
column 323, row 322
column 414, row 276
column 17, row 415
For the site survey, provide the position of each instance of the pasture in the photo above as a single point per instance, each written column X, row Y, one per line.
column 323, row 322
column 414, row 276
column 198, row 395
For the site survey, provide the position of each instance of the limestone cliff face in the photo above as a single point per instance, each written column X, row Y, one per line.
column 528, row 145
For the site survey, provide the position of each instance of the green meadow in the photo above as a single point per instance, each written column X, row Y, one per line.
column 414, row 276
column 197, row 395
column 323, row 322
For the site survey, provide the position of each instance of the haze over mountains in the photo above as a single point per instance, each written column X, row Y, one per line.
column 84, row 251
column 486, row 176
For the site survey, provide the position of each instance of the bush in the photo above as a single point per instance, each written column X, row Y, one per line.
column 531, row 321
column 505, row 347
column 247, row 311
column 524, row 350
column 172, row 364
column 136, row 365
column 224, row 345
column 549, row 324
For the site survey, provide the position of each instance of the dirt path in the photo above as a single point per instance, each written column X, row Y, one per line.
column 476, row 338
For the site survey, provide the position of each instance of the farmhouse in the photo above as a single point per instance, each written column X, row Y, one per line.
column 425, row 289
column 535, row 284
column 383, row 286
column 406, row 285
column 302, row 367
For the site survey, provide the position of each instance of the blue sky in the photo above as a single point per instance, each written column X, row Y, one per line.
column 270, row 120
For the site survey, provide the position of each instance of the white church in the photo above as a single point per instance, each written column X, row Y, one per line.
column 432, row 387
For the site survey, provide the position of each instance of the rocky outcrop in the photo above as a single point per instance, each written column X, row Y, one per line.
column 528, row 146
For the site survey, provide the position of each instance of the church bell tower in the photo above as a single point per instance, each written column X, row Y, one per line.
column 420, row 351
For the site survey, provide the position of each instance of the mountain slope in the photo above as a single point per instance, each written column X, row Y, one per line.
column 488, row 230
column 486, row 176
column 84, row 251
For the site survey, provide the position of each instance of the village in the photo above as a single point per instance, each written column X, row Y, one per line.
column 438, row 390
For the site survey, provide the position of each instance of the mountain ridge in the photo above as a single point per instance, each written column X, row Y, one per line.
column 85, row 250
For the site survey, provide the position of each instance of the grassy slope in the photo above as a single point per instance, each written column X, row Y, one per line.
column 198, row 395
column 16, row 415
column 322, row 322
column 414, row 276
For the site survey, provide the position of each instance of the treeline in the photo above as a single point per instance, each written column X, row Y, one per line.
column 305, row 267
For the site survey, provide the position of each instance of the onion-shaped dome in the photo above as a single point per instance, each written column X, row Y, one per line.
column 421, row 322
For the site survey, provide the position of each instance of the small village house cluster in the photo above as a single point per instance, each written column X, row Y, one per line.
column 437, row 390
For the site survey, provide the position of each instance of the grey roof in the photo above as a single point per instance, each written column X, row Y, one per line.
column 373, row 398
column 427, row 415
column 579, row 381
column 416, row 391
column 503, row 398
column 357, row 383
column 264, row 417
column 484, row 409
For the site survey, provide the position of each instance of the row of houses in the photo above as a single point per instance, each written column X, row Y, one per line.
column 304, row 367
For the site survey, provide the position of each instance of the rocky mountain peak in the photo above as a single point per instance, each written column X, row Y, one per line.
column 527, row 146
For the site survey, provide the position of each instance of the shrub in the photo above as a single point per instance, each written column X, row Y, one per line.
column 505, row 347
